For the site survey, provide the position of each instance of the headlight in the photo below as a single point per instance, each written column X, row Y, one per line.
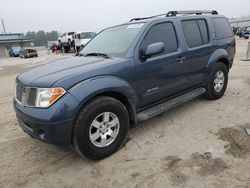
column 47, row 96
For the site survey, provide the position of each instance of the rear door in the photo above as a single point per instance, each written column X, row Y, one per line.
column 198, row 49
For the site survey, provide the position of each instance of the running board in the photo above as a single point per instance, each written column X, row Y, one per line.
column 160, row 108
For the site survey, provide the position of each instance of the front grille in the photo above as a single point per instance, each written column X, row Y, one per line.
column 25, row 95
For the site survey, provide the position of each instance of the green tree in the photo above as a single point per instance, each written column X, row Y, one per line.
column 41, row 37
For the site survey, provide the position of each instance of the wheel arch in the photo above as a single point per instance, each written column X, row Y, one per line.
column 120, row 97
column 118, row 89
column 219, row 55
column 225, row 61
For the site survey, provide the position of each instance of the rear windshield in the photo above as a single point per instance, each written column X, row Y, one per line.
column 222, row 28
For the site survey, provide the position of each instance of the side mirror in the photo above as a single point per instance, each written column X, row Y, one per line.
column 153, row 49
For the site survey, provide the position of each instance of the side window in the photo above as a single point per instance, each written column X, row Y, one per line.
column 222, row 28
column 192, row 33
column 204, row 31
column 163, row 32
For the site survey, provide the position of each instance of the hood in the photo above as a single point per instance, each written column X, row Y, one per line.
column 47, row 75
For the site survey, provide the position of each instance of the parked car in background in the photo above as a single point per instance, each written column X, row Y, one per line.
column 28, row 53
column 15, row 51
column 66, row 38
column 82, row 38
column 126, row 74
column 244, row 32
column 66, row 41
column 55, row 47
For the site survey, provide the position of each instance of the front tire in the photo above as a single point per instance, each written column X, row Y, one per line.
column 100, row 128
column 217, row 82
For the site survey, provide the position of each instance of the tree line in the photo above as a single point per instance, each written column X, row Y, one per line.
column 42, row 37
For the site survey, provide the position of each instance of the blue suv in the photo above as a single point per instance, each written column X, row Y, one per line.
column 126, row 74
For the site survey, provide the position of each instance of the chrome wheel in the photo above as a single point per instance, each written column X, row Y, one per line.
column 104, row 129
column 219, row 80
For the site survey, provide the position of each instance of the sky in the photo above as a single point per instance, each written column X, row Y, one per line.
column 95, row 15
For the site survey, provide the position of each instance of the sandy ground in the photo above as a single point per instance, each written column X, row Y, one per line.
column 198, row 144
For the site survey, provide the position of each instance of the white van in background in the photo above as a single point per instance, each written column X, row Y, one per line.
column 82, row 38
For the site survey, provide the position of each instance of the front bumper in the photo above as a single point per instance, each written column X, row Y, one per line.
column 52, row 125
column 54, row 133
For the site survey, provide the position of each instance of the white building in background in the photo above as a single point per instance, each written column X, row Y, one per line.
column 240, row 22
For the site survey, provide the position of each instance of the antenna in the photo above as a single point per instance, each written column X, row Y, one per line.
column 3, row 26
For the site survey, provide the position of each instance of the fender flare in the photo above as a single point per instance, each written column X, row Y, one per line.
column 214, row 58
column 90, row 88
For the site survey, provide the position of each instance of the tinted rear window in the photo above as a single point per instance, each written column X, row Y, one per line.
column 204, row 31
column 222, row 28
column 192, row 33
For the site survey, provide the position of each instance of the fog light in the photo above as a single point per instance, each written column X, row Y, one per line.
column 41, row 135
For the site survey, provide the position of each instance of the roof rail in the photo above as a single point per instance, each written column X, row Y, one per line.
column 187, row 12
column 145, row 18
column 175, row 13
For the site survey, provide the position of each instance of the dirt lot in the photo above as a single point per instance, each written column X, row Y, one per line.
column 199, row 144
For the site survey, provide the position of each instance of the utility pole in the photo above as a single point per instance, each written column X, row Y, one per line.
column 3, row 26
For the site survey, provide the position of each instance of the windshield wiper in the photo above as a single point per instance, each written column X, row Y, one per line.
column 97, row 54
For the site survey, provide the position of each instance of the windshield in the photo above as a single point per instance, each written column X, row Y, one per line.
column 87, row 35
column 113, row 41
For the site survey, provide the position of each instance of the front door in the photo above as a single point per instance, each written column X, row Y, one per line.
column 162, row 75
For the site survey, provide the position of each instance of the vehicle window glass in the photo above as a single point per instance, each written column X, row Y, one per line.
column 165, row 33
column 204, row 31
column 113, row 41
column 16, row 48
column 192, row 33
column 87, row 35
column 71, row 33
column 222, row 28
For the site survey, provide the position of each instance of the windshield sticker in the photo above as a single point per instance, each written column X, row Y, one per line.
column 134, row 26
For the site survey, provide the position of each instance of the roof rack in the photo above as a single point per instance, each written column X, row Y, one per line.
column 145, row 18
column 188, row 12
column 175, row 13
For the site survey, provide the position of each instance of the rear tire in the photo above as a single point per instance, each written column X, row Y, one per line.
column 246, row 37
column 65, row 49
column 100, row 128
column 217, row 82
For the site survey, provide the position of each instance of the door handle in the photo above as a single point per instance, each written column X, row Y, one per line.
column 180, row 59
